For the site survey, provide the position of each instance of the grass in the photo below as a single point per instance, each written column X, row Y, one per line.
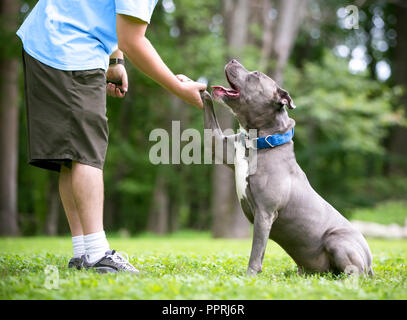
column 191, row 266
column 385, row 213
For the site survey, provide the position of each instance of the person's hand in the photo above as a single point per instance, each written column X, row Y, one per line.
column 189, row 91
column 117, row 80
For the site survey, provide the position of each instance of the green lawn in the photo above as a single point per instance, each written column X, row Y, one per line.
column 387, row 212
column 191, row 266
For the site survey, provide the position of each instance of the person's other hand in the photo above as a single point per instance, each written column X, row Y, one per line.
column 189, row 91
column 117, row 82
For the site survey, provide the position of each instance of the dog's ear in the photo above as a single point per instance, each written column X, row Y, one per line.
column 285, row 99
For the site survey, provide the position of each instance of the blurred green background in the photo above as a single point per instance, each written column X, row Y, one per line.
column 348, row 86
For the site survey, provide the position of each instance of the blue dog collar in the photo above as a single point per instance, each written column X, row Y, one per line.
column 269, row 141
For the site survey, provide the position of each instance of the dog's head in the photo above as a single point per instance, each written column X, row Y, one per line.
column 254, row 98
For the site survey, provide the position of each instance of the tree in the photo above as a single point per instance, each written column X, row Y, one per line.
column 162, row 219
column 158, row 219
column 398, row 139
column 54, row 206
column 9, row 68
column 291, row 14
column 228, row 218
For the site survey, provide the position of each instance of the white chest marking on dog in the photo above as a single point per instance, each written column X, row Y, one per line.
column 241, row 168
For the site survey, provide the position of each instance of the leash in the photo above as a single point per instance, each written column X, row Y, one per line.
column 270, row 141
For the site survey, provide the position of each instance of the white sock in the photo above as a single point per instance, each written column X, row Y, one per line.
column 96, row 245
column 78, row 245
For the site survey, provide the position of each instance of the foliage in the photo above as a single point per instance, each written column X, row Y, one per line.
column 388, row 212
column 341, row 123
column 192, row 268
column 343, row 120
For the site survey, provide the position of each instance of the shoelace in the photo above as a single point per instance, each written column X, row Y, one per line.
column 118, row 258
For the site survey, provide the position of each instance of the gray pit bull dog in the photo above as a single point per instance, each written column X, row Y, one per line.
column 277, row 197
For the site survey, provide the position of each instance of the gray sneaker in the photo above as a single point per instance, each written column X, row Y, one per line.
column 75, row 263
column 111, row 262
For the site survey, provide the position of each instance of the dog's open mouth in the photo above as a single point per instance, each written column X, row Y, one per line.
column 221, row 91
column 232, row 92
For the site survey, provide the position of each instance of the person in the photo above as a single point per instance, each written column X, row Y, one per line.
column 70, row 49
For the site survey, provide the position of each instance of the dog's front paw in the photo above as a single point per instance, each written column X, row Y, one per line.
column 252, row 272
column 206, row 96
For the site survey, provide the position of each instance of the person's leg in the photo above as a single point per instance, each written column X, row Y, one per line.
column 81, row 191
column 87, row 191
column 68, row 201
column 71, row 211
column 87, row 194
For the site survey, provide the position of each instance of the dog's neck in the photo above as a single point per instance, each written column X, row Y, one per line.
column 282, row 123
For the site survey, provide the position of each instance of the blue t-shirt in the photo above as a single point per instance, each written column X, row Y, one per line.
column 77, row 34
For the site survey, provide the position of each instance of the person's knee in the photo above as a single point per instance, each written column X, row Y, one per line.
column 85, row 168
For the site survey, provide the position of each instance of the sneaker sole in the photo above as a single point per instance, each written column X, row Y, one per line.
column 111, row 270
column 104, row 270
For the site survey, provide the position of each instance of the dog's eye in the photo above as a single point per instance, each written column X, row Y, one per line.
column 254, row 76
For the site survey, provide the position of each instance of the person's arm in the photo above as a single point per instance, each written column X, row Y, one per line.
column 139, row 50
column 116, row 73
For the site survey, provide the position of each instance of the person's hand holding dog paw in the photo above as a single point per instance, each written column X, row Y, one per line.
column 189, row 91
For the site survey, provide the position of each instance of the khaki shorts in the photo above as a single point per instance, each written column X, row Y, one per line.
column 66, row 115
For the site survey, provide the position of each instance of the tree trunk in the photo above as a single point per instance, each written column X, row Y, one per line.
column 237, row 17
column 163, row 216
column 54, row 206
column 159, row 213
column 398, row 140
column 228, row 218
column 290, row 15
column 267, row 39
column 112, row 215
column 8, row 123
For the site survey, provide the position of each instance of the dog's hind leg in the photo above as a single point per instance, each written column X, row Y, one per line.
column 345, row 258
column 218, row 140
